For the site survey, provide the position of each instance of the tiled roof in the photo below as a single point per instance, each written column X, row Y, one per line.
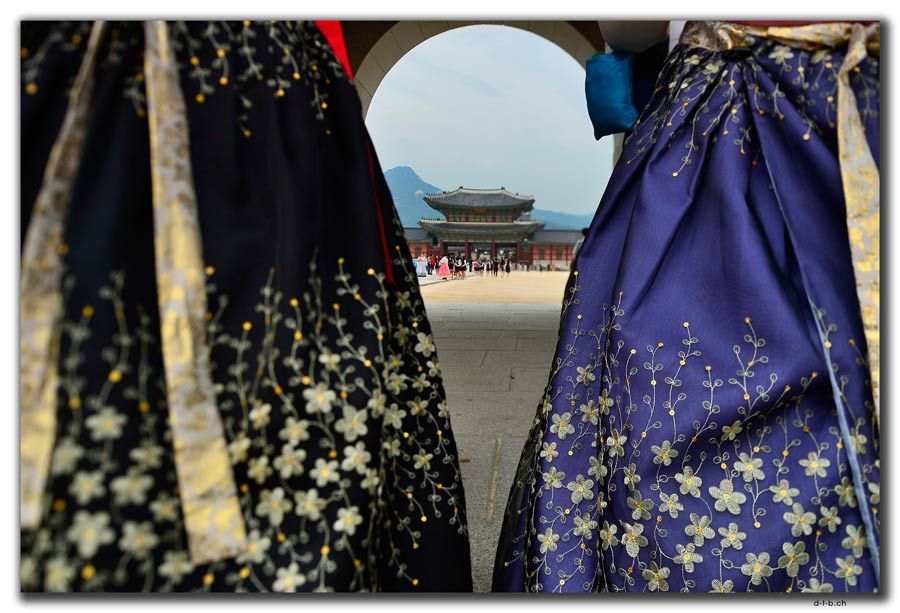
column 441, row 226
column 555, row 237
column 479, row 198
column 418, row 235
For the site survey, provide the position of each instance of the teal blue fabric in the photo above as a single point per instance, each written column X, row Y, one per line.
column 608, row 89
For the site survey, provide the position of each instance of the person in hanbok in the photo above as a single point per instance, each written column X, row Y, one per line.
column 228, row 381
column 710, row 422
column 421, row 269
column 444, row 268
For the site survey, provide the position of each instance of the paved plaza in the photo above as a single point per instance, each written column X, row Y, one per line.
column 495, row 339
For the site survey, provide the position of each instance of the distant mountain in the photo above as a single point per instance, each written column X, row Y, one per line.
column 562, row 221
column 407, row 189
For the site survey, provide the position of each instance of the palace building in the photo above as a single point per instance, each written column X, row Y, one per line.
column 490, row 223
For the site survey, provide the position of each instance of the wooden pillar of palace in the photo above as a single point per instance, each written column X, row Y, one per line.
column 467, row 250
column 493, row 249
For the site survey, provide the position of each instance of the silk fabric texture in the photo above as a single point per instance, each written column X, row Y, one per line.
column 709, row 422
column 246, row 395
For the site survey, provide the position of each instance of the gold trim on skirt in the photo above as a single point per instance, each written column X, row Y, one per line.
column 212, row 513
column 40, row 293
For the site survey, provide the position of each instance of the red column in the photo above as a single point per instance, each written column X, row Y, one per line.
column 467, row 249
column 493, row 250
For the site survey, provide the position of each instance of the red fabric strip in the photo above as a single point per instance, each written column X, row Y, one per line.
column 335, row 37
column 388, row 269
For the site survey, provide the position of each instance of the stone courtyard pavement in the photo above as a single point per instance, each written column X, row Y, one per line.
column 495, row 339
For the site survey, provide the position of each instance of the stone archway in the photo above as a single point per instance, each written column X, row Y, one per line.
column 494, row 355
column 374, row 47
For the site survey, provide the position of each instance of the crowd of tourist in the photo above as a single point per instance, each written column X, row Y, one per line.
column 457, row 266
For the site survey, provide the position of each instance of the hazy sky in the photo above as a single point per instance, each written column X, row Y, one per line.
column 489, row 106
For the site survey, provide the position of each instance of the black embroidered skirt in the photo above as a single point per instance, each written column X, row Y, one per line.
column 329, row 462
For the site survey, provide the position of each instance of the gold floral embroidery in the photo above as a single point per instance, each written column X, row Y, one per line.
column 383, row 465
column 625, row 410
column 803, row 50
column 216, row 58
column 859, row 173
column 231, row 55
